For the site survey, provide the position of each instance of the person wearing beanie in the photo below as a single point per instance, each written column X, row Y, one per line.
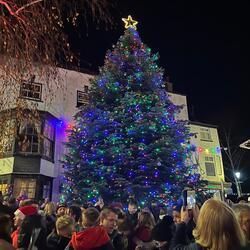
column 18, row 219
column 61, row 210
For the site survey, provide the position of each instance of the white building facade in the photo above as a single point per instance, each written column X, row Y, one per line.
column 30, row 157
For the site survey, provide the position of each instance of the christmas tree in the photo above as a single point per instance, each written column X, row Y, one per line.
column 127, row 141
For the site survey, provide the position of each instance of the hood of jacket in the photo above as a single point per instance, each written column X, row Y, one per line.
column 90, row 238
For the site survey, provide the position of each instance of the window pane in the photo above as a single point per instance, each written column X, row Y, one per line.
column 31, row 90
column 47, row 148
column 27, row 185
column 48, row 130
column 210, row 168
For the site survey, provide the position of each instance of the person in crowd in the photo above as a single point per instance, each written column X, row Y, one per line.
column 242, row 212
column 76, row 213
column 22, row 196
column 3, row 208
column 126, row 229
column 117, row 206
column 61, row 236
column 50, row 215
column 12, row 204
column 93, row 236
column 5, row 230
column 20, row 215
column 162, row 213
column 61, row 210
column 217, row 228
column 43, row 203
column 32, row 233
column 163, row 232
column 108, row 219
column 133, row 211
column 143, row 230
column 176, row 213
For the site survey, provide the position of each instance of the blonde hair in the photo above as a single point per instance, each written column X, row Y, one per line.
column 50, row 208
column 146, row 219
column 218, row 228
column 63, row 222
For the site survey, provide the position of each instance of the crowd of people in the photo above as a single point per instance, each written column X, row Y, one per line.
column 216, row 225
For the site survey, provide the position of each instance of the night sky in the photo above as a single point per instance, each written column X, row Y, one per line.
column 203, row 47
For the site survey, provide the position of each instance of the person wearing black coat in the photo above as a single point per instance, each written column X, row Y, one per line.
column 60, row 237
column 32, row 233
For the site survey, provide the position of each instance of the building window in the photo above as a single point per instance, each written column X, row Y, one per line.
column 86, row 89
column 26, row 185
column 205, row 134
column 4, row 187
column 210, row 166
column 46, row 190
column 7, row 135
column 29, row 138
column 48, row 140
column 31, row 90
column 82, row 98
column 219, row 167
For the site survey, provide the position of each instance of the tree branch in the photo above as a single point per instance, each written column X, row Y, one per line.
column 27, row 5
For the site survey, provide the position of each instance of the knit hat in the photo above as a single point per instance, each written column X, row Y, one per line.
column 24, row 211
column 61, row 205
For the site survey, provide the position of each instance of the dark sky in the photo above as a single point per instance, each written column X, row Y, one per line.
column 203, row 47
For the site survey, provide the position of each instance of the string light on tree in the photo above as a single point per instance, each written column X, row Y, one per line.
column 127, row 142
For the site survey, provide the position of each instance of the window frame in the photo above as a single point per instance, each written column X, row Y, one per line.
column 28, row 90
column 50, row 140
column 207, row 131
column 209, row 161
column 85, row 101
column 32, row 143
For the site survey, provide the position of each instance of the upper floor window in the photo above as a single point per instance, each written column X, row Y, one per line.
column 31, row 90
column 82, row 98
column 210, row 166
column 205, row 134
column 48, row 139
column 29, row 138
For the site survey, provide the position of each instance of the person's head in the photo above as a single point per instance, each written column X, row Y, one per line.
column 5, row 226
column 124, row 226
column 12, row 202
column 75, row 212
column 217, row 227
column 50, row 208
column 164, row 230
column 108, row 219
column 90, row 217
column 176, row 214
column 21, row 212
column 242, row 212
column 65, row 226
column 132, row 206
column 146, row 219
column 61, row 210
